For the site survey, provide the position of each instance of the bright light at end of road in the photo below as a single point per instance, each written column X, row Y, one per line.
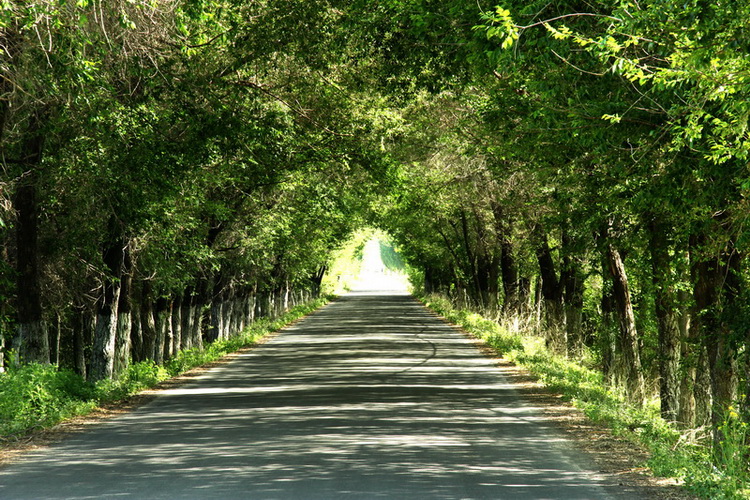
column 375, row 275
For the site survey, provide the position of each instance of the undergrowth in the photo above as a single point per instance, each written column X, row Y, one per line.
column 686, row 456
column 34, row 396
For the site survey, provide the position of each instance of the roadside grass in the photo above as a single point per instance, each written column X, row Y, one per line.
column 686, row 456
column 35, row 397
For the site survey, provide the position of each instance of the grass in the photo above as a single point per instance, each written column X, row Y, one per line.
column 34, row 396
column 718, row 474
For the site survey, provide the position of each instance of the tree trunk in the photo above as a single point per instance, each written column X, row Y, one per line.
column 667, row 318
column 30, row 327
column 717, row 286
column 286, row 296
column 148, row 324
column 508, row 268
column 512, row 303
column 252, row 301
column 105, row 333
column 196, row 333
column 689, row 355
column 187, row 314
column 227, row 310
column 574, row 312
column 237, row 310
column 260, row 304
column 82, row 324
column 721, row 351
column 278, row 302
column 217, row 319
column 552, row 294
column 628, row 363
column 608, row 334
column 270, row 309
column 163, row 322
column 702, row 390
column 124, row 316
column 317, row 279
column 137, row 352
column 55, row 340
column 216, row 325
column 172, row 346
column 571, row 282
column 176, row 331
column 202, row 312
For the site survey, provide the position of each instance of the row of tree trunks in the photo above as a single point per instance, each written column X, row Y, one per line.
column 698, row 373
column 159, row 329
column 484, row 267
column 698, row 376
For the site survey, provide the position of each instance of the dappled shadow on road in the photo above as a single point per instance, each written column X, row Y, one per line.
column 371, row 397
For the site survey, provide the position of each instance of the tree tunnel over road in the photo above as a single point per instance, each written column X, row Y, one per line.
column 173, row 170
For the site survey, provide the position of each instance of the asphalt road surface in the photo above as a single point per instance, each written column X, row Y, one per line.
column 370, row 397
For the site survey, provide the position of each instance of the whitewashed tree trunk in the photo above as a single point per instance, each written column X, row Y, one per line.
column 197, row 331
column 226, row 313
column 148, row 330
column 176, row 328
column 122, row 342
column 251, row 302
column 105, row 335
column 274, row 304
column 162, row 321
column 188, row 317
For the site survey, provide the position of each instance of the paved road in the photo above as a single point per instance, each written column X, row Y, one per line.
column 371, row 397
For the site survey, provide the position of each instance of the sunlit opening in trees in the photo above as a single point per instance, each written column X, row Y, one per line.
column 368, row 261
column 380, row 269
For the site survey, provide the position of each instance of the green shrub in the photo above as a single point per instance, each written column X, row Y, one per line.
column 34, row 396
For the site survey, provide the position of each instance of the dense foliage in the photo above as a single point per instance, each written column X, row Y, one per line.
column 174, row 168
column 171, row 170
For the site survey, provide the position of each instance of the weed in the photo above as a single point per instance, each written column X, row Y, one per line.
column 34, row 396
